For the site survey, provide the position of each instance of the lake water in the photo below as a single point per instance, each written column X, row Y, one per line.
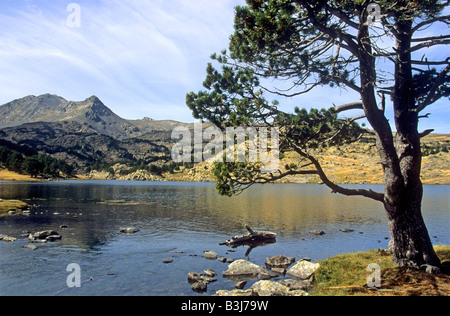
column 179, row 221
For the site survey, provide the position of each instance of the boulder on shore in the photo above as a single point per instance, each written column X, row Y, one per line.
column 303, row 269
column 237, row 292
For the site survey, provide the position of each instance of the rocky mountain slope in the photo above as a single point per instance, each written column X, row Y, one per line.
column 83, row 133
column 80, row 144
column 52, row 108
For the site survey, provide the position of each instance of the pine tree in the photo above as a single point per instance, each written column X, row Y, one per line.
column 336, row 43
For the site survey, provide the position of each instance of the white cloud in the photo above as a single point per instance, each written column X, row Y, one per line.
column 125, row 52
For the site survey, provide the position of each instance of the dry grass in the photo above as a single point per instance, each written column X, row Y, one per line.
column 6, row 175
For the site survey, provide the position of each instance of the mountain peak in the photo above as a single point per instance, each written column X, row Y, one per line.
column 91, row 112
column 93, row 98
column 48, row 99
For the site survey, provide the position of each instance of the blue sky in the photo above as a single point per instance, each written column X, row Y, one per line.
column 139, row 57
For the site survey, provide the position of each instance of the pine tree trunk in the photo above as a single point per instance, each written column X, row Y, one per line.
column 410, row 243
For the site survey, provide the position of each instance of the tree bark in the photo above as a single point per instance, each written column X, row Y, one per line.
column 252, row 236
column 410, row 244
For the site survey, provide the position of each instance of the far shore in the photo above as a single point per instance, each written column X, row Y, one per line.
column 6, row 175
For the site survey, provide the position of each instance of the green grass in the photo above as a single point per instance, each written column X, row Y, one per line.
column 339, row 274
column 346, row 274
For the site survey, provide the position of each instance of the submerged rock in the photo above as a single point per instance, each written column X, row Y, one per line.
column 53, row 238
column 210, row 272
column 279, row 261
column 199, row 281
column 31, row 247
column 129, row 230
column 200, row 277
column 199, row 287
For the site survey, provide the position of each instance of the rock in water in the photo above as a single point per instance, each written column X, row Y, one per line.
column 53, row 238
column 199, row 287
column 210, row 255
column 7, row 238
column 243, row 268
column 279, row 261
column 43, row 235
column 31, row 247
column 317, row 232
column 129, row 230
column 199, row 282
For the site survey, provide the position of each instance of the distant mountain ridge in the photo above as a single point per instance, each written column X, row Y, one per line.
column 52, row 108
column 83, row 132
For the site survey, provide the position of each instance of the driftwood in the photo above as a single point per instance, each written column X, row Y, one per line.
column 251, row 237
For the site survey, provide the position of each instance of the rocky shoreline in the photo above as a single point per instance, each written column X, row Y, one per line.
column 241, row 271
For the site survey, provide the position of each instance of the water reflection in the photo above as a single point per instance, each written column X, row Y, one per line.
column 186, row 217
column 94, row 210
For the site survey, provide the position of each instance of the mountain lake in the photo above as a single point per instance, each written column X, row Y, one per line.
column 178, row 221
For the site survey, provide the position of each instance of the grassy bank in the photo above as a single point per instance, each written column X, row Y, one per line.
column 11, row 205
column 346, row 275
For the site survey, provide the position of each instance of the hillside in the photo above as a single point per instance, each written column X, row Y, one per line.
column 85, row 134
column 354, row 163
column 80, row 145
column 51, row 108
